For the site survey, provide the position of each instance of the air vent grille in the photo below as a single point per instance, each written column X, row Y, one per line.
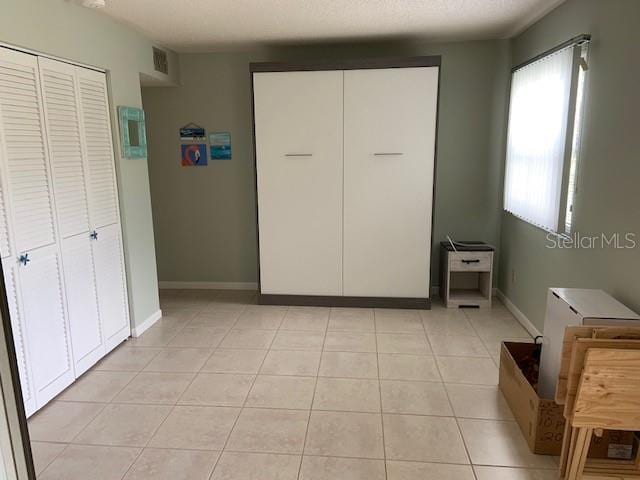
column 160, row 62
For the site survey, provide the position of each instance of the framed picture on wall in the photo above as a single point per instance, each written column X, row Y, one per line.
column 220, row 145
column 194, row 155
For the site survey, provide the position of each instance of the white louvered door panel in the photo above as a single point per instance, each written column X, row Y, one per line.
column 47, row 330
column 94, row 106
column 5, row 241
column 59, row 98
column 64, row 133
column 9, row 267
column 82, row 299
column 112, row 290
column 24, row 148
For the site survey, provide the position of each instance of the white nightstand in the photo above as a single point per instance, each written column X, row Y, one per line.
column 466, row 274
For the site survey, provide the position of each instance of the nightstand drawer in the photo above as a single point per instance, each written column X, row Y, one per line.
column 470, row 261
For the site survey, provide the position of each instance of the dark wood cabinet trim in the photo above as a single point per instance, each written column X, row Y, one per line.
column 338, row 301
column 363, row 64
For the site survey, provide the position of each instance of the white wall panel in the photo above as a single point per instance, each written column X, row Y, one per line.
column 47, row 329
column 103, row 193
column 389, row 142
column 9, row 268
column 25, row 152
column 82, row 301
column 5, row 240
column 298, row 119
column 111, row 283
column 65, row 145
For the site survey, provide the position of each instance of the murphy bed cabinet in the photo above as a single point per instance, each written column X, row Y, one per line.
column 60, row 237
column 345, row 159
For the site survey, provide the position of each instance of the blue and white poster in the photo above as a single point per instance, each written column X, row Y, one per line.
column 220, row 145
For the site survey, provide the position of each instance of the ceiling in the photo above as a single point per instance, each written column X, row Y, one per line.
column 213, row 25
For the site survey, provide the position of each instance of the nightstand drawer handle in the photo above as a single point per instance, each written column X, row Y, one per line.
column 471, row 261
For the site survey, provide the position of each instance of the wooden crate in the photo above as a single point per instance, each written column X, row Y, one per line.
column 607, row 396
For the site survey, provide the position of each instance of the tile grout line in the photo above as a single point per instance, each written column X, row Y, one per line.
column 384, row 443
column 172, row 409
column 270, row 348
column 215, row 464
column 242, row 407
column 482, row 339
column 112, row 401
column 464, row 441
column 197, row 372
column 104, row 406
column 66, row 446
column 453, row 412
column 251, row 407
column 313, row 399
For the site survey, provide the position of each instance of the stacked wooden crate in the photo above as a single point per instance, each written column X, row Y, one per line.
column 599, row 386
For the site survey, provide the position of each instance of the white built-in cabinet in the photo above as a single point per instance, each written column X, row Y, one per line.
column 60, row 238
column 345, row 174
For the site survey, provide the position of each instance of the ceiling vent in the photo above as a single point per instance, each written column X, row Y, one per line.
column 160, row 62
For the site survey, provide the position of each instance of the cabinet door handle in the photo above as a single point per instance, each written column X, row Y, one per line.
column 388, row 154
column 93, row 235
column 24, row 259
column 475, row 260
column 298, row 154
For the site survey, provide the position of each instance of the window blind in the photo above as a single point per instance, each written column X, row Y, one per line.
column 537, row 139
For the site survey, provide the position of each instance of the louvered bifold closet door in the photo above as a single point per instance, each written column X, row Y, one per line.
column 103, row 207
column 103, row 193
column 112, row 291
column 9, row 73
column 5, row 242
column 25, row 149
column 47, row 328
column 68, row 169
column 14, row 301
column 36, row 257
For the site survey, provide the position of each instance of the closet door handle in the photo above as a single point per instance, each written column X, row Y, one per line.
column 388, row 154
column 24, row 259
column 298, row 154
column 93, row 235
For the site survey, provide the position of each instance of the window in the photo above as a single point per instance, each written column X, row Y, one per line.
column 543, row 136
column 575, row 143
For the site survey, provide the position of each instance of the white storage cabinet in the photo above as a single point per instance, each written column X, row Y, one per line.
column 569, row 307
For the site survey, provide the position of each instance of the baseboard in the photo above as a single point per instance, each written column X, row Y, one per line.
column 148, row 323
column 208, row 285
column 521, row 317
column 340, row 301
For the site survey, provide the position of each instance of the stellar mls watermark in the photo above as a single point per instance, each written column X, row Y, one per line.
column 577, row 240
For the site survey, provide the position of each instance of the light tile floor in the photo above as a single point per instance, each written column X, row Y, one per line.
column 223, row 389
